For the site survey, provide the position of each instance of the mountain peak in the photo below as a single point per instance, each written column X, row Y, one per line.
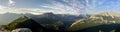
column 108, row 13
column 50, row 13
column 24, row 17
column 112, row 14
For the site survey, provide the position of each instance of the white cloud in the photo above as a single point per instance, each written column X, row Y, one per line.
column 35, row 11
column 72, row 6
column 11, row 3
column 2, row 7
column 78, row 6
column 75, row 7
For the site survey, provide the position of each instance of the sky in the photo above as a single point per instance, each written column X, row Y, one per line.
column 75, row 7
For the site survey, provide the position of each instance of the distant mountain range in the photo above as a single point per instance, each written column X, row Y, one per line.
column 8, row 17
column 63, row 22
column 46, row 20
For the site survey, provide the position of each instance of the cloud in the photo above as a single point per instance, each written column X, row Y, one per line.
column 71, row 6
column 82, row 6
column 2, row 7
column 74, row 7
column 11, row 3
column 35, row 11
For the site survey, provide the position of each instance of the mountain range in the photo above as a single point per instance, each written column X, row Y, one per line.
column 64, row 22
column 46, row 20
column 9, row 17
column 100, row 19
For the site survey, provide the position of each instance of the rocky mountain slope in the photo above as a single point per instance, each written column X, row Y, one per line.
column 105, row 18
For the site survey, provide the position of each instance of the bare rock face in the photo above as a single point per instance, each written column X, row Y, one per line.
column 22, row 30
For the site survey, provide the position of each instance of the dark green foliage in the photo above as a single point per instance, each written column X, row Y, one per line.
column 102, row 28
column 16, row 23
column 101, row 31
column 113, row 30
column 24, row 22
column 54, row 26
column 57, row 25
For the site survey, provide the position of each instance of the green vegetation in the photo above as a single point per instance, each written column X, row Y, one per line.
column 17, row 22
column 113, row 30
column 97, row 23
column 86, row 24
column 25, row 22
column 55, row 26
column 110, row 31
column 101, row 31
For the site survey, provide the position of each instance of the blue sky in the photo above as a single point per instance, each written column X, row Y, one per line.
column 62, row 6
